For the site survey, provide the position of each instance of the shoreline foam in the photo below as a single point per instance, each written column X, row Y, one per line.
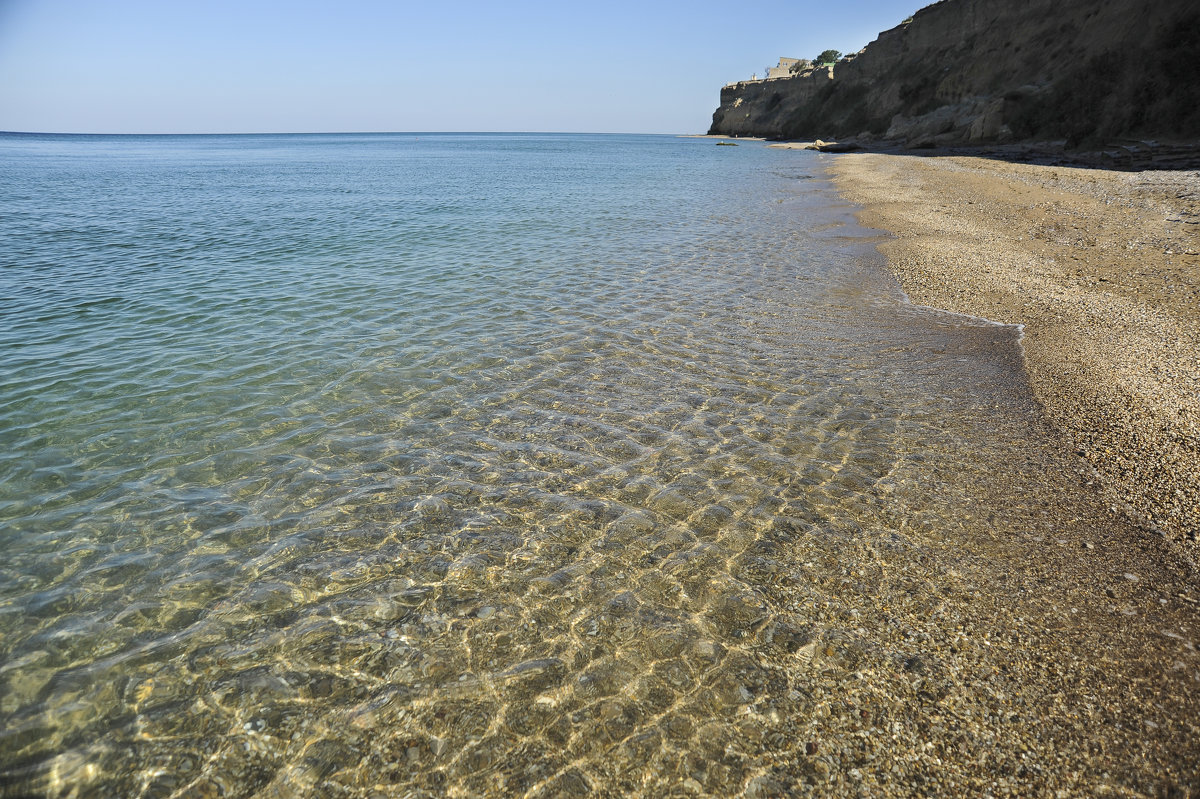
column 1101, row 268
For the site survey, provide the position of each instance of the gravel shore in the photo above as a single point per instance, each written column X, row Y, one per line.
column 1101, row 268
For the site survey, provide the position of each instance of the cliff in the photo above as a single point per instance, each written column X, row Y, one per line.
column 979, row 71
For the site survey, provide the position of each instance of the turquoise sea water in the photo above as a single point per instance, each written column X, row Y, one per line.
column 456, row 463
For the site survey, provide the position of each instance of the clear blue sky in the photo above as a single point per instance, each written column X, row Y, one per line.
column 207, row 66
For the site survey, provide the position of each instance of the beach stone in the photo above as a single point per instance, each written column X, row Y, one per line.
column 432, row 508
column 630, row 526
column 816, row 771
column 736, row 614
column 764, row 787
column 671, row 502
column 785, row 637
column 711, row 519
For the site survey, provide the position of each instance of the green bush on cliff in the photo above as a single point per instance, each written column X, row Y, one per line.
column 827, row 57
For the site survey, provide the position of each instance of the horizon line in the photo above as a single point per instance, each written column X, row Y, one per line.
column 345, row 133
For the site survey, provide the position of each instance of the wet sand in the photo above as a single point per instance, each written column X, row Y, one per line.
column 1101, row 268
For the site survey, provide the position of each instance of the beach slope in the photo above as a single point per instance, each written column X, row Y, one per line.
column 1101, row 268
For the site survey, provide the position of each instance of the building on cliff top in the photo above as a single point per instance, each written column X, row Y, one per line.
column 784, row 70
column 788, row 68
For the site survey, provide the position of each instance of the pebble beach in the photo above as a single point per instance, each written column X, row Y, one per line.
column 1102, row 270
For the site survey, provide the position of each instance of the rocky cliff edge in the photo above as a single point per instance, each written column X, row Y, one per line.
column 979, row 72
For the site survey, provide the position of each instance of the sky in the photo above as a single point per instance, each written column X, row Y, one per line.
column 258, row 66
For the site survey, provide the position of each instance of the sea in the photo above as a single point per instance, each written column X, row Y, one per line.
column 464, row 464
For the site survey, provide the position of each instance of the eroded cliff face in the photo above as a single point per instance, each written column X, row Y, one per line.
column 980, row 71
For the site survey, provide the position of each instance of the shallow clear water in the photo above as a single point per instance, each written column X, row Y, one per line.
column 458, row 463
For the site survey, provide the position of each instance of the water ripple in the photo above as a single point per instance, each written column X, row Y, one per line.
column 487, row 465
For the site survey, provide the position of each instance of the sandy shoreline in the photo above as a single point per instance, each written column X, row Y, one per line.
column 1101, row 268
